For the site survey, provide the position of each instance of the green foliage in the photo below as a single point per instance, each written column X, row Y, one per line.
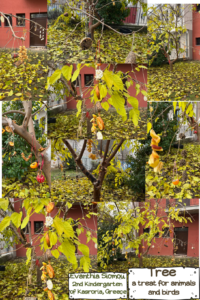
column 162, row 125
column 113, row 14
column 160, row 185
column 14, row 166
column 129, row 218
column 136, row 164
column 158, row 57
column 181, row 84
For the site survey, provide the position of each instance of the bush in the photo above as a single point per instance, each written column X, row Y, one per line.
column 136, row 179
column 113, row 14
column 158, row 57
column 70, row 164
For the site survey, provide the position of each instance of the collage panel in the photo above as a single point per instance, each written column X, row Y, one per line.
column 98, row 170
column 84, row 32
column 173, row 52
column 26, row 151
column 23, row 51
column 107, row 107
column 172, row 170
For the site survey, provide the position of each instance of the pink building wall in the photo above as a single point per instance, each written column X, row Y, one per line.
column 196, row 34
column 140, row 76
column 193, row 234
column 26, row 7
column 75, row 212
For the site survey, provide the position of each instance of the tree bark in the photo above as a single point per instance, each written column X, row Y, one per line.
column 97, row 194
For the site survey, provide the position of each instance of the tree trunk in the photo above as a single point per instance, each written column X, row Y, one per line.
column 97, row 194
column 141, row 262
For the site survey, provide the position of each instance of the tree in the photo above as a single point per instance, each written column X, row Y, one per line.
column 165, row 25
column 113, row 14
column 130, row 217
column 27, row 132
column 106, row 155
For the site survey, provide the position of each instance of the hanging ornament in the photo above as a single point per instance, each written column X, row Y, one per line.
column 98, row 74
column 40, row 178
column 50, row 207
column 26, row 159
column 11, row 144
column 3, row 130
column 34, row 165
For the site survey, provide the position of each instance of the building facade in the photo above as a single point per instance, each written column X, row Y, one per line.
column 181, row 239
column 196, row 32
column 22, row 14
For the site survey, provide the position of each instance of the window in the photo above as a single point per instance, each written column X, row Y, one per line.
column 6, row 21
column 26, row 230
column 89, row 79
column 38, row 226
column 166, row 232
column 20, row 19
column 198, row 41
column 146, row 230
column 198, row 7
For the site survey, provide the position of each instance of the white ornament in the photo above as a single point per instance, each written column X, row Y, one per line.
column 95, row 246
column 99, row 135
column 99, row 74
column 49, row 221
column 145, row 98
column 49, row 284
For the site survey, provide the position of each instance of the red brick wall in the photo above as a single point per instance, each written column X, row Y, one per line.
column 196, row 34
column 140, row 76
column 19, row 7
column 74, row 213
column 193, row 234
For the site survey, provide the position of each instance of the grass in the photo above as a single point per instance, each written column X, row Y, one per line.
column 183, row 83
column 56, row 174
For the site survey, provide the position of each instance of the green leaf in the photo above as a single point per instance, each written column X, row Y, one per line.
column 28, row 255
column 118, row 102
column 85, row 263
column 55, row 76
column 84, row 249
column 25, row 222
column 75, row 75
column 68, row 249
column 53, row 238
column 67, row 71
column 133, row 101
column 55, row 253
column 149, row 126
column 39, row 207
column 4, row 223
column 105, row 105
column 16, row 219
column 134, row 115
column 4, row 204
column 174, row 104
column 78, row 106
column 62, row 226
column 103, row 91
